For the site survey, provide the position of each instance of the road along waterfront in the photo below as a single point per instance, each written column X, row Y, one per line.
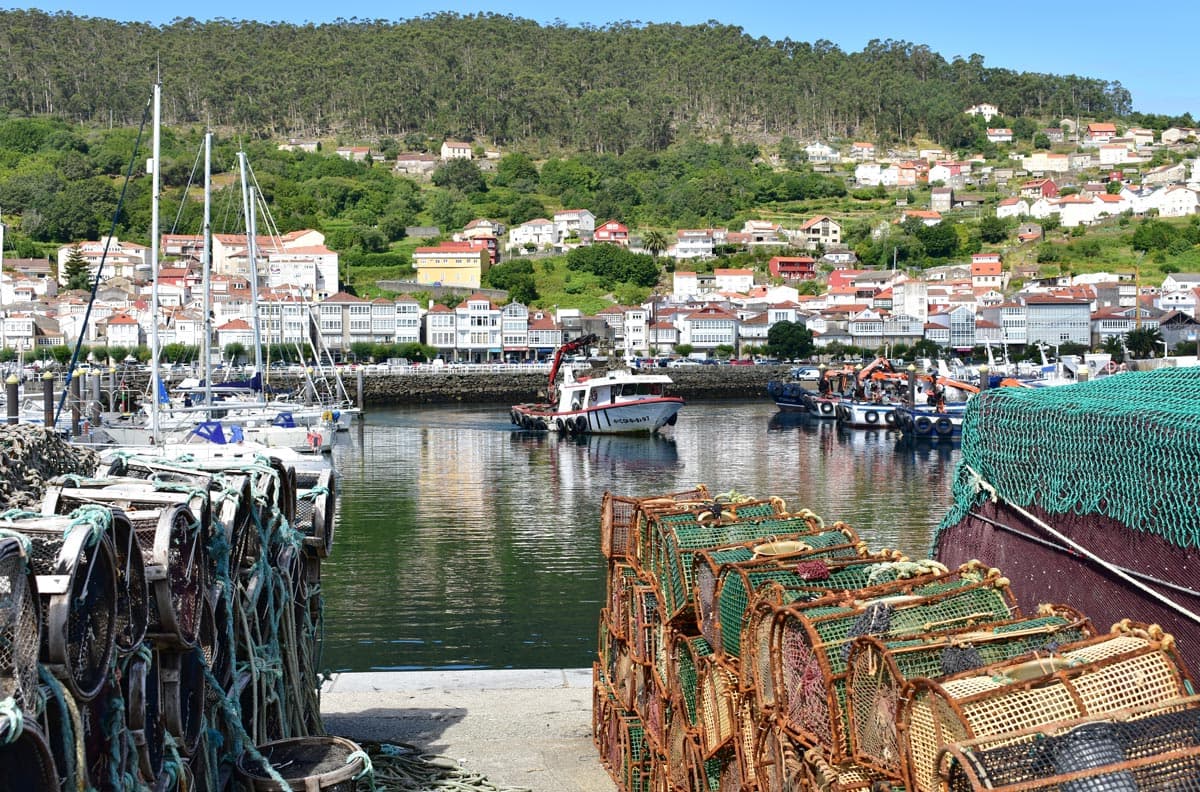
column 466, row 543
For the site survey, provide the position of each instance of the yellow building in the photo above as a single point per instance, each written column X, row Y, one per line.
column 451, row 264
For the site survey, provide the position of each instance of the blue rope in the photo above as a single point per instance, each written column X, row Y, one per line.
column 11, row 716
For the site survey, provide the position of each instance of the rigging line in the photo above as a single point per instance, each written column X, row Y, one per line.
column 112, row 230
column 983, row 485
column 1067, row 550
column 187, row 188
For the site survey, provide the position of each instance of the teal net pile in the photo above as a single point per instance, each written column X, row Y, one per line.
column 1088, row 494
column 1126, row 447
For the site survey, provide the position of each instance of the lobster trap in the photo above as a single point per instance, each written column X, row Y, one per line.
column 811, row 642
column 77, row 577
column 619, row 519
column 878, row 670
column 1134, row 665
column 20, row 623
column 1149, row 747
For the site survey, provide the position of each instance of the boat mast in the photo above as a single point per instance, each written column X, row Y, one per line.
column 251, row 240
column 207, row 259
column 156, row 374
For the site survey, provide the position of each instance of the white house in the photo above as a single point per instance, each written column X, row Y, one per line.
column 1176, row 201
column 868, row 174
column 820, row 152
column 478, row 329
column 1012, row 207
column 574, row 223
column 455, row 149
column 540, row 233
column 734, row 280
column 693, row 243
column 985, row 109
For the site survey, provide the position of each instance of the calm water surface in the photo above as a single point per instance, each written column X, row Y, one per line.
column 465, row 543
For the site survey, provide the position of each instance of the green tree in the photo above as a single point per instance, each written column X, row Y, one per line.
column 655, row 241
column 235, row 351
column 683, row 350
column 1153, row 235
column 1143, row 342
column 460, row 174
column 789, row 340
column 993, row 230
column 76, row 270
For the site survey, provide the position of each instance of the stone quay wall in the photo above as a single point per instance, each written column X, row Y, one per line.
column 461, row 386
column 700, row 383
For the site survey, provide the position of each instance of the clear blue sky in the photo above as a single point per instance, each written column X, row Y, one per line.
column 1150, row 49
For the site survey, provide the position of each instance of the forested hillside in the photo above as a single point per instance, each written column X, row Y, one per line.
column 506, row 80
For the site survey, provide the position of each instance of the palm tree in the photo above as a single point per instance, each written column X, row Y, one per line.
column 655, row 241
column 1142, row 342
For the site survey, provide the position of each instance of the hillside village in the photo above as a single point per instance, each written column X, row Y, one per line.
column 722, row 312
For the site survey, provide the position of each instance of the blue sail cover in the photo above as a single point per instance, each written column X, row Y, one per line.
column 284, row 419
column 163, row 398
column 212, row 431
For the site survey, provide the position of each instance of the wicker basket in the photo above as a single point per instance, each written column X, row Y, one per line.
column 622, row 578
column 879, row 668
column 810, row 642
column 819, row 775
column 1156, row 746
column 777, row 760
column 642, row 630
column 1134, row 665
column 308, row 763
column 20, row 624
column 687, row 653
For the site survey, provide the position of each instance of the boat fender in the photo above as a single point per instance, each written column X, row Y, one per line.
column 541, row 425
column 922, row 424
column 581, row 424
column 560, row 425
column 826, row 408
column 1111, row 368
column 872, row 416
column 943, row 426
column 671, row 421
column 314, row 441
column 327, row 416
column 889, row 418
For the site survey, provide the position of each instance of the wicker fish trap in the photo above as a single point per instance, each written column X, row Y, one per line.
column 26, row 762
column 777, row 760
column 652, row 707
column 878, row 670
column 717, row 705
column 818, row 775
column 623, row 681
column 1149, row 747
column 781, row 553
column 619, row 519
column 20, row 623
column 683, row 683
column 622, row 578
column 602, row 699
column 682, row 752
column 77, row 578
column 676, row 538
column 316, row 498
column 811, row 642
column 1134, row 665
column 172, row 542
column 807, row 578
column 643, row 623
column 143, row 717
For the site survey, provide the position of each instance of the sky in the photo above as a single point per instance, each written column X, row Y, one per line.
column 1149, row 49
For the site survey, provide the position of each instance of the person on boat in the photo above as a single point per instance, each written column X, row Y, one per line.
column 187, row 400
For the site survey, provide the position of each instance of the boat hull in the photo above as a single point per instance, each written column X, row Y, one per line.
column 926, row 423
column 865, row 415
column 644, row 416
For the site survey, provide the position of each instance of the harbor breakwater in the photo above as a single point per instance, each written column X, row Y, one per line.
column 471, row 386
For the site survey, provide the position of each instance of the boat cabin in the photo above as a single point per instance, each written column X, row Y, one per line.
column 615, row 387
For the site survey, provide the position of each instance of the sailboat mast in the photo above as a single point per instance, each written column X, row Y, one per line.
column 251, row 245
column 207, row 260
column 156, row 375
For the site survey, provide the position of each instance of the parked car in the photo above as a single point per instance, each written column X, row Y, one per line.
column 682, row 363
column 806, row 373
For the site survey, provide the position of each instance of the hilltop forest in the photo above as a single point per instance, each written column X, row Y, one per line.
column 509, row 81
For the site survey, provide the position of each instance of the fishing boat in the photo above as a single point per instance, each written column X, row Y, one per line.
column 927, row 422
column 617, row 402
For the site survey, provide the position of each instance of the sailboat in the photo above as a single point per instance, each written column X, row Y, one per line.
column 215, row 420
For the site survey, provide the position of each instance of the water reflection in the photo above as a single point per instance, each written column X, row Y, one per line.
column 464, row 542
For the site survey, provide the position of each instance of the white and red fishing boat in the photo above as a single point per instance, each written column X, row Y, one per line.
column 616, row 402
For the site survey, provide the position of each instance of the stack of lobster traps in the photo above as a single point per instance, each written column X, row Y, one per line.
column 158, row 620
column 746, row 647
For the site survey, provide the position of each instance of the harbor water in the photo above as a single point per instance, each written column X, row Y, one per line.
column 464, row 542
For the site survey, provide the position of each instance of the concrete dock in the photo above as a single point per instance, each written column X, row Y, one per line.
column 527, row 728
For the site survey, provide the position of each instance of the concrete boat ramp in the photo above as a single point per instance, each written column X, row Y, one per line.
column 525, row 728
